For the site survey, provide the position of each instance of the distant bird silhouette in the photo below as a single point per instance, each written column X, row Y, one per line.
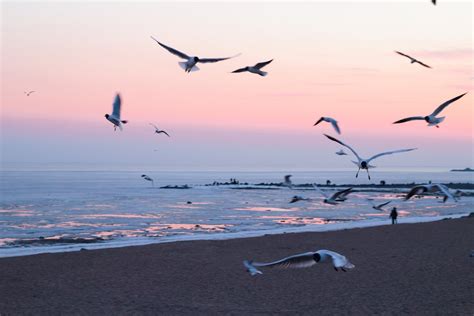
column 287, row 181
column 431, row 119
column 303, row 260
column 147, row 178
column 339, row 196
column 28, row 93
column 430, row 188
column 341, row 153
column 158, row 131
column 434, row 2
column 378, row 207
column 329, row 120
column 364, row 163
column 191, row 61
column 114, row 118
column 256, row 69
column 413, row 60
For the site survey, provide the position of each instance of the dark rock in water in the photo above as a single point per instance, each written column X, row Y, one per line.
column 189, row 202
column 463, row 170
column 471, row 214
column 176, row 187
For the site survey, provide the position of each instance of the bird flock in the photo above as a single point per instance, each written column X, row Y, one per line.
column 189, row 64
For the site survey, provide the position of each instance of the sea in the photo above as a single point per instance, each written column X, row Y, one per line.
column 61, row 210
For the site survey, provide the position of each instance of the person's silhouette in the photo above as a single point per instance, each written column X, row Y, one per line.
column 394, row 215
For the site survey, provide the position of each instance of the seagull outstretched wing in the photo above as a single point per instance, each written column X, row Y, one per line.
column 411, row 118
column 262, row 64
column 341, row 143
column 303, row 260
column 389, row 153
column 116, row 106
column 214, row 60
column 171, row 49
column 445, row 104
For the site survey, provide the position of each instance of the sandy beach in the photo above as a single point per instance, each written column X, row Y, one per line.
column 418, row 269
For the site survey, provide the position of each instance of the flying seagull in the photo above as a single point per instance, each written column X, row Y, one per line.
column 412, row 60
column 147, row 178
column 339, row 196
column 191, row 61
column 329, row 120
column 255, row 69
column 303, row 260
column 159, row 131
column 287, row 182
column 430, row 188
column 364, row 163
column 341, row 153
column 379, row 207
column 28, row 93
column 431, row 119
column 114, row 118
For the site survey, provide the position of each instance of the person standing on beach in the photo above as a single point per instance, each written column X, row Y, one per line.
column 394, row 215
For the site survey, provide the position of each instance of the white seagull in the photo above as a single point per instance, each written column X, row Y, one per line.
column 303, row 260
column 191, row 61
column 431, row 119
column 430, row 188
column 364, row 163
column 339, row 196
column 341, row 153
column 413, row 60
column 329, row 120
column 255, row 69
column 147, row 178
column 114, row 118
column 159, row 131
column 28, row 93
column 378, row 207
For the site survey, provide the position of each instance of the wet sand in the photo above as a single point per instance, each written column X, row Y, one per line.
column 422, row 269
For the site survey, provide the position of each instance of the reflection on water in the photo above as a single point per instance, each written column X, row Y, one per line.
column 47, row 211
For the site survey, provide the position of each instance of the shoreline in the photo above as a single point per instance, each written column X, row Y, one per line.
column 422, row 269
column 9, row 252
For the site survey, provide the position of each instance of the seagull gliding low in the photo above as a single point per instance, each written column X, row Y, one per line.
column 255, row 69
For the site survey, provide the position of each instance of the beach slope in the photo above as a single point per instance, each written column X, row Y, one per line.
column 418, row 269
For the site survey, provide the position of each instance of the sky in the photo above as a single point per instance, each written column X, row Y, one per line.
column 331, row 58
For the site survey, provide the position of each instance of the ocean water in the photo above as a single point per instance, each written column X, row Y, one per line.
column 62, row 210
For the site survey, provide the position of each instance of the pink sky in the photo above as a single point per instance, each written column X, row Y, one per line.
column 330, row 58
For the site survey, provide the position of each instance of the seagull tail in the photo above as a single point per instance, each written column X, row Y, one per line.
column 263, row 73
column 184, row 65
column 349, row 265
column 124, row 122
column 250, row 268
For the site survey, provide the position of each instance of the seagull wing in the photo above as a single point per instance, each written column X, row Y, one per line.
column 164, row 133
column 320, row 191
column 411, row 118
column 443, row 189
column 116, row 106
column 240, row 70
column 341, row 193
column 215, row 60
column 156, row 127
column 423, row 64
column 335, row 126
column 303, row 260
column 171, row 50
column 319, row 121
column 389, row 153
column 400, row 53
column 347, row 146
column 262, row 64
column 383, row 204
column 418, row 189
column 445, row 104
